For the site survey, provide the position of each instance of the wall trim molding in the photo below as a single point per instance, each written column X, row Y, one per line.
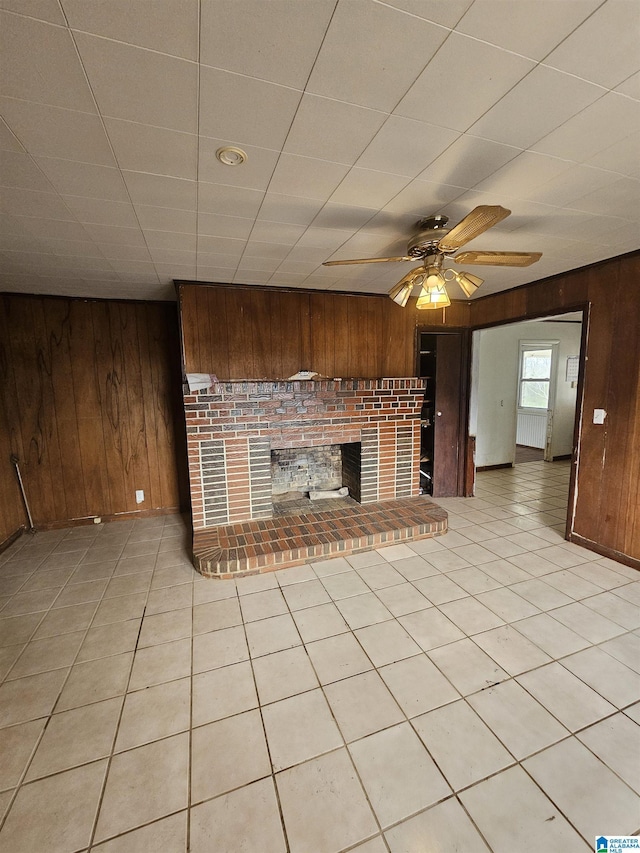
column 107, row 519
column 12, row 538
column 604, row 551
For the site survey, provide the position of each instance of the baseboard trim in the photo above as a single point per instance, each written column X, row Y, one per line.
column 604, row 551
column 107, row 519
column 562, row 458
column 11, row 539
column 494, row 467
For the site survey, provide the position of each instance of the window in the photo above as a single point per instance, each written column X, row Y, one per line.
column 535, row 376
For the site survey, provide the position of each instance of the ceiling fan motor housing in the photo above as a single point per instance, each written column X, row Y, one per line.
column 430, row 231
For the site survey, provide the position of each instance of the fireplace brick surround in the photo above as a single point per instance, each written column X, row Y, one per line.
column 232, row 428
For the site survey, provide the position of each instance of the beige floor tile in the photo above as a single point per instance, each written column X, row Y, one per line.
column 470, row 615
column 227, row 754
column 621, row 612
column 541, row 594
column 323, row 805
column 17, row 630
column 402, row 599
column 30, row 602
column 386, row 643
column 17, row 744
column 169, row 598
column 76, row 737
column 168, row 835
column 571, row 584
column 291, row 739
column 446, row 825
column 81, row 593
column 172, row 575
column 66, row 620
column 610, row 678
column 317, row 623
column 507, row 605
column 216, row 615
column 447, row 561
column 133, row 565
column 464, row 748
column 338, row 657
column 262, row 605
column 5, row 800
column 509, row 810
column 223, row 692
column 380, row 576
column 398, row 774
column 247, row 819
column 273, row 634
column 309, row 593
column 8, row 656
column 467, row 667
column 120, row 609
column 362, row 705
column 430, row 628
column 50, row 653
column 361, row 610
column 344, row 585
column 520, row 722
column 107, row 640
column 417, row 567
column 418, row 685
column 144, row 784
column 512, row 651
column 391, row 553
column 154, row 713
column 219, row 648
column 164, row 627
column 366, row 558
column 51, row 579
column 550, row 635
column 257, row 583
column 31, row 697
column 375, row 845
column 204, row 590
column 157, row 664
column 95, row 680
column 565, row 696
column 128, row 584
column 295, row 575
column 66, row 806
column 566, row 772
column 616, row 741
column 583, row 621
column 93, row 571
column 439, row 589
column 625, row 649
column 334, row 566
column 284, row 674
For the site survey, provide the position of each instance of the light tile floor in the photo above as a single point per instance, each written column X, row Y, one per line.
column 478, row 691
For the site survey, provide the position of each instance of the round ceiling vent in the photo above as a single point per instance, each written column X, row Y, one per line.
column 231, row 156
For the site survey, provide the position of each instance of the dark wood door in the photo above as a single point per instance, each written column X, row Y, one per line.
column 450, row 405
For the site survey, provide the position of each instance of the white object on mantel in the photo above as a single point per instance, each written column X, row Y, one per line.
column 321, row 494
column 303, row 374
column 200, row 381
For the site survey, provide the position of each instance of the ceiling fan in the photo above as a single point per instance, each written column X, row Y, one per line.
column 433, row 242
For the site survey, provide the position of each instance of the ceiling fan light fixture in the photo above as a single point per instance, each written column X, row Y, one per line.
column 434, row 296
column 401, row 292
column 434, row 277
column 469, row 283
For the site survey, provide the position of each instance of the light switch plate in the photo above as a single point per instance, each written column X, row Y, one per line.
column 599, row 415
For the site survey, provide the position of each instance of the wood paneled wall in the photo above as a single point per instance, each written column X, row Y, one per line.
column 92, row 398
column 239, row 332
column 608, row 478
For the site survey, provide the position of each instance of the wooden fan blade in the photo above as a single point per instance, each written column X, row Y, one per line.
column 499, row 259
column 479, row 220
column 365, row 261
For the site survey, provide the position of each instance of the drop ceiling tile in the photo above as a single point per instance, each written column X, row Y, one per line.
column 274, row 251
column 287, row 279
column 52, row 132
column 244, row 110
column 404, row 146
column 52, row 228
column 251, row 277
column 229, row 201
column 170, row 240
column 604, row 49
column 620, row 157
column 142, row 148
column 359, row 59
column 332, row 130
column 343, row 216
column 168, row 272
column 276, row 232
column 321, row 238
column 220, row 275
column 297, row 267
column 246, row 36
column 631, row 86
column 168, row 27
column 448, row 14
column 304, row 177
column 217, row 259
column 166, row 219
column 20, row 202
column 597, row 127
column 120, row 252
column 43, row 10
column 444, row 95
column 49, row 71
column 215, row 225
column 290, row 209
column 131, row 268
column 523, row 175
column 570, row 185
column 368, row 188
column 255, row 173
column 101, row 212
column 79, row 248
column 8, row 140
column 266, row 265
column 17, row 169
column 467, row 161
column 307, row 253
column 422, row 198
column 182, row 257
column 84, row 179
column 538, row 104
column 22, row 243
column 222, row 245
column 516, row 28
column 161, row 191
column 115, row 234
column 140, row 85
column 621, row 198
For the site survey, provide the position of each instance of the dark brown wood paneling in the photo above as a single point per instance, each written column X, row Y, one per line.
column 88, row 399
column 12, row 512
column 447, row 427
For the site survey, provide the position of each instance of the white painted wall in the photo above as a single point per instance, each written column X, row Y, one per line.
column 494, row 397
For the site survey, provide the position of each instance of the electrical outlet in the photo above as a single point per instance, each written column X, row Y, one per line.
column 139, row 496
column 97, row 520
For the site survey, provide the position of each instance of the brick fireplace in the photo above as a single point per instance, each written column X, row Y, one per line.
column 233, row 428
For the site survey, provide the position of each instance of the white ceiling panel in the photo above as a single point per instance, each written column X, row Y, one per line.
column 442, row 94
column 169, row 26
column 246, row 36
column 358, row 118
column 372, row 54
